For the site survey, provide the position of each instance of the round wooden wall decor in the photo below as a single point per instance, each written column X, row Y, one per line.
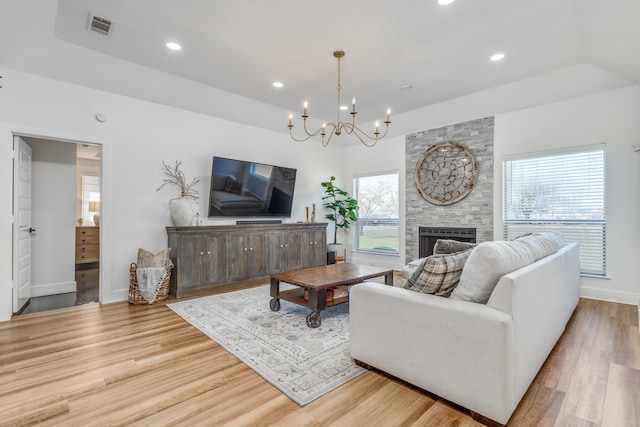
column 446, row 173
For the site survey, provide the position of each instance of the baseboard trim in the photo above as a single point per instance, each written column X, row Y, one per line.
column 53, row 289
column 610, row 295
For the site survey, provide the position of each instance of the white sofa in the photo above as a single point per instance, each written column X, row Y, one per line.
column 480, row 356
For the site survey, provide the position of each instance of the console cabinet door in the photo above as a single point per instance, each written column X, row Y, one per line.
column 275, row 246
column 312, row 249
column 291, row 253
column 282, row 251
column 257, row 259
column 215, row 245
column 318, row 248
column 247, row 255
column 237, row 252
column 190, row 262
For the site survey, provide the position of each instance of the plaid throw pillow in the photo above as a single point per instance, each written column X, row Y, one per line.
column 233, row 186
column 446, row 246
column 438, row 274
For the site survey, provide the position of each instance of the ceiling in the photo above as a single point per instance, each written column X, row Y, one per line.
column 241, row 47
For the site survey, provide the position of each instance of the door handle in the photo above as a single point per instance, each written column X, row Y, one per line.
column 31, row 230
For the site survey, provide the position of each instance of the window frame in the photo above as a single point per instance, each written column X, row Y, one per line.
column 389, row 221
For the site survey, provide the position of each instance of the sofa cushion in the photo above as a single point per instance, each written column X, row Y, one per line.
column 148, row 259
column 446, row 246
column 438, row 274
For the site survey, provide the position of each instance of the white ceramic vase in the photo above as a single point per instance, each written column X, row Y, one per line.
column 181, row 210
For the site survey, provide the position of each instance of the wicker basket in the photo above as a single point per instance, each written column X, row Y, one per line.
column 161, row 292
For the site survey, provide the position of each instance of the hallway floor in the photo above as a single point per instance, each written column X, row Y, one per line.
column 87, row 291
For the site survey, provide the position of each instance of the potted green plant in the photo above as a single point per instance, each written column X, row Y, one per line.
column 343, row 209
column 181, row 208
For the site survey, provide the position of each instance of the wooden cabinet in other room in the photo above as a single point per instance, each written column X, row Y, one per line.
column 87, row 244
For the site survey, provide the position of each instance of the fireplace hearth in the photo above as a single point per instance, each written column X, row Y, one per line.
column 429, row 235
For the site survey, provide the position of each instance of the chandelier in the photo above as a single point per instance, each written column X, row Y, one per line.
column 336, row 128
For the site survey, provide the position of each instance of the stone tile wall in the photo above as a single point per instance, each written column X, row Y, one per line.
column 475, row 210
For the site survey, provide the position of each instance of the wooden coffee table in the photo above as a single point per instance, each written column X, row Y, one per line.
column 316, row 281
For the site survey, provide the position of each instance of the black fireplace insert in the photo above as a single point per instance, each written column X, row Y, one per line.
column 429, row 235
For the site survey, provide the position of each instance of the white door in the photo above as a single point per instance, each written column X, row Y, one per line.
column 22, row 230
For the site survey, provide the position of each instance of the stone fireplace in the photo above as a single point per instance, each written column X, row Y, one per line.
column 429, row 235
column 473, row 211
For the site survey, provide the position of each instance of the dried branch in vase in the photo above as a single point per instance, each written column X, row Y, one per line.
column 177, row 178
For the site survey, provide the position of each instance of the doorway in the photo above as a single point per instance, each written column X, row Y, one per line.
column 65, row 215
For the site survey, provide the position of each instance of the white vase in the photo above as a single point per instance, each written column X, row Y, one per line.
column 181, row 210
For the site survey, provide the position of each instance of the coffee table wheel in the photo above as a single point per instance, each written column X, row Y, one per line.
column 274, row 304
column 313, row 319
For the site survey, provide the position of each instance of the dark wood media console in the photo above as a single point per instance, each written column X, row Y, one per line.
column 207, row 257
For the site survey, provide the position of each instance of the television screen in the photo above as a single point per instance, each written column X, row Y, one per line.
column 240, row 188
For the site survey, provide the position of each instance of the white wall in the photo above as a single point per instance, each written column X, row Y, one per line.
column 53, row 216
column 135, row 138
column 612, row 118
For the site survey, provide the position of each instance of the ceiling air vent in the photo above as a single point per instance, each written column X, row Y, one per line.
column 100, row 25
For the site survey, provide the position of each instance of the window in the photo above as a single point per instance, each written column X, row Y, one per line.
column 377, row 230
column 263, row 171
column 90, row 193
column 562, row 192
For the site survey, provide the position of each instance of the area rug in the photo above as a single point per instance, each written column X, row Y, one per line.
column 304, row 363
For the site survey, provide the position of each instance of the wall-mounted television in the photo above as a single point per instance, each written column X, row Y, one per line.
column 248, row 189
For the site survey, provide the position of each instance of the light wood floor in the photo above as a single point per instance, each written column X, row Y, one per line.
column 144, row 366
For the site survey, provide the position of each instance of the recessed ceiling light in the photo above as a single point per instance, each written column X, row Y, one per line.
column 344, row 108
column 445, row 2
column 405, row 86
column 173, row 46
column 497, row 57
column 277, row 84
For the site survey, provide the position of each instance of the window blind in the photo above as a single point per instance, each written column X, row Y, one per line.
column 562, row 192
column 377, row 230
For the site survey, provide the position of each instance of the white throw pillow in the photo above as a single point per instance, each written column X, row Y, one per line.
column 488, row 262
